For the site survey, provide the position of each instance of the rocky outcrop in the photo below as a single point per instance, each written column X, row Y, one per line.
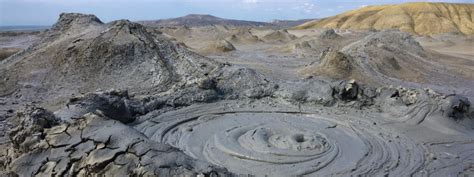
column 457, row 107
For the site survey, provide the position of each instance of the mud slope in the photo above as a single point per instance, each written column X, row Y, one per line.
column 417, row 18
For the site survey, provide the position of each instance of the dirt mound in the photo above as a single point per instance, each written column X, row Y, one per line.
column 417, row 18
column 279, row 36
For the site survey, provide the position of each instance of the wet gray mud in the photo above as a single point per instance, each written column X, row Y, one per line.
column 285, row 143
column 287, row 140
column 191, row 115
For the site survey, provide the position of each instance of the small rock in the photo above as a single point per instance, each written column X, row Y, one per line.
column 456, row 107
column 207, row 84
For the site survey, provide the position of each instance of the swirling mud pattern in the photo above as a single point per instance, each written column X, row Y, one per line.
column 282, row 144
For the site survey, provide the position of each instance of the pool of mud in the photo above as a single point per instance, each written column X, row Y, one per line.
column 283, row 140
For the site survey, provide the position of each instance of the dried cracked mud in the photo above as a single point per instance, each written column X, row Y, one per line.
column 262, row 102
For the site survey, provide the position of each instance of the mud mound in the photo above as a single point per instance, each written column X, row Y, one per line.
column 380, row 58
column 329, row 34
column 219, row 47
column 243, row 82
column 333, row 64
column 75, row 21
column 314, row 46
column 417, row 18
column 243, row 36
column 302, row 47
column 82, row 54
column 390, row 53
column 279, row 36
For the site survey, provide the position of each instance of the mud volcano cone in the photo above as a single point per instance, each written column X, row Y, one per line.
column 81, row 53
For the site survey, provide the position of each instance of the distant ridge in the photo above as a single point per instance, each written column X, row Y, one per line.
column 290, row 23
column 206, row 20
column 201, row 20
column 23, row 28
column 421, row 18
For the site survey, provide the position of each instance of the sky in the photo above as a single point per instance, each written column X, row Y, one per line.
column 46, row 12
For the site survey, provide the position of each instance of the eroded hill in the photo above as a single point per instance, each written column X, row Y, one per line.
column 417, row 18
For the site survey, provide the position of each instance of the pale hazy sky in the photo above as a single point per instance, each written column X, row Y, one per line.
column 46, row 12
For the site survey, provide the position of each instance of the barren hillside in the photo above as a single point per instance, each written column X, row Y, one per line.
column 418, row 18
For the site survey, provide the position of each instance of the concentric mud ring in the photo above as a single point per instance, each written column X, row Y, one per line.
column 284, row 144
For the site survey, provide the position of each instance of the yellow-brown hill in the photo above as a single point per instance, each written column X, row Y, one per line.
column 421, row 18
